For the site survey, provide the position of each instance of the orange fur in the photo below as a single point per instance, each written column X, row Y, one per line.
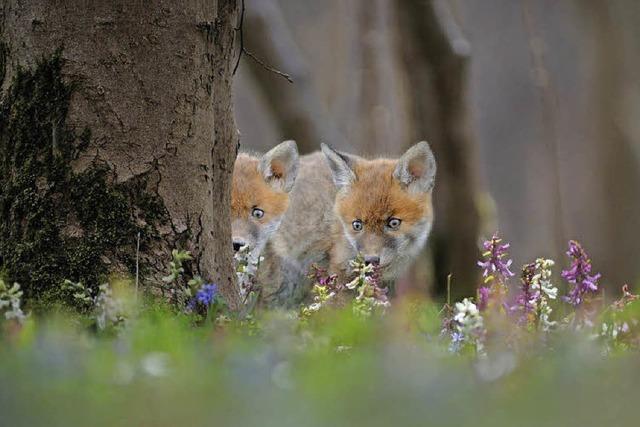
column 376, row 196
column 250, row 190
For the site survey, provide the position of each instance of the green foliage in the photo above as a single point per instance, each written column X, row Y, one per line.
column 176, row 268
column 56, row 224
column 10, row 301
column 345, row 370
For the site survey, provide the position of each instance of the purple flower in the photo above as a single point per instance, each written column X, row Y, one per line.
column 495, row 264
column 483, row 297
column 206, row 294
column 322, row 277
column 526, row 301
column 579, row 274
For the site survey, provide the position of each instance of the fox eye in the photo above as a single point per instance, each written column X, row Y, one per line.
column 257, row 213
column 357, row 225
column 394, row 223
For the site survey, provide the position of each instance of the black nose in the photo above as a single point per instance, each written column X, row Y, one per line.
column 237, row 244
column 372, row 259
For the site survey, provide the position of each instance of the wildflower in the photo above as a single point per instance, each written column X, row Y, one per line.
column 541, row 283
column 542, row 279
column 323, row 278
column 457, row 339
column 579, row 274
column 363, row 272
column 532, row 303
column 627, row 297
column 206, row 294
column 467, row 319
column 109, row 311
column 495, row 266
column 496, row 272
column 467, row 326
column 527, row 299
column 323, row 291
column 10, row 299
column 367, row 285
column 315, row 306
column 246, row 270
column 483, row 297
column 178, row 258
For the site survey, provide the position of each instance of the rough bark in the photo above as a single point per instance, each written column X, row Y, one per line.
column 150, row 82
column 435, row 55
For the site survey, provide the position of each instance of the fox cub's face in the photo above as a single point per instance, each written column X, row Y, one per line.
column 384, row 205
column 260, row 195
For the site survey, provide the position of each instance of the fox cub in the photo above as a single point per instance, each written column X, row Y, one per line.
column 260, row 195
column 343, row 205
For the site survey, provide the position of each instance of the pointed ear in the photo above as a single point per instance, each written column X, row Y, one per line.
column 341, row 166
column 279, row 166
column 416, row 168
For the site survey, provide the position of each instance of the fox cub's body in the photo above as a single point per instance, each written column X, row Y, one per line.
column 343, row 205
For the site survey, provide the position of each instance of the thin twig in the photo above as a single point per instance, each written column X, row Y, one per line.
column 267, row 66
column 449, row 290
column 251, row 55
column 239, row 29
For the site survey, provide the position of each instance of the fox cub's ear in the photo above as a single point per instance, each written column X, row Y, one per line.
column 279, row 166
column 416, row 168
column 341, row 167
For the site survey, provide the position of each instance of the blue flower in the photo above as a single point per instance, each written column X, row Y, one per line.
column 457, row 339
column 206, row 294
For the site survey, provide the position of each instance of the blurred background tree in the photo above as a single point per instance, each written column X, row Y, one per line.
column 529, row 106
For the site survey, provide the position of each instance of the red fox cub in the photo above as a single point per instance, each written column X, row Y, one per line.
column 343, row 205
column 260, row 195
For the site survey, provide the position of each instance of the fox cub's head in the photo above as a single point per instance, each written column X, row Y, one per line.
column 260, row 195
column 384, row 205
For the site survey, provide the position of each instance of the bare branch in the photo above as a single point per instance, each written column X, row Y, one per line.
column 267, row 66
column 251, row 55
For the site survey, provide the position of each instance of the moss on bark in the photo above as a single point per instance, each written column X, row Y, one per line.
column 57, row 224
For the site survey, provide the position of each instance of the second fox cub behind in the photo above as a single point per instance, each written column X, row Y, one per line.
column 343, row 205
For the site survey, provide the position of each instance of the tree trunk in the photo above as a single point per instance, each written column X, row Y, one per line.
column 139, row 129
column 617, row 166
column 435, row 55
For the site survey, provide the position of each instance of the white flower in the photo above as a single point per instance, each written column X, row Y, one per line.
column 468, row 324
column 353, row 284
column 467, row 316
column 315, row 306
column 541, row 280
column 464, row 309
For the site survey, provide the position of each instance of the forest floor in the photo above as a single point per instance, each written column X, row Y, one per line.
column 518, row 354
column 338, row 370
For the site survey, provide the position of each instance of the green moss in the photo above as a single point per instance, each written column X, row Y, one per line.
column 56, row 224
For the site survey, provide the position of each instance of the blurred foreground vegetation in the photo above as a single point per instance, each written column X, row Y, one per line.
column 339, row 369
column 516, row 355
